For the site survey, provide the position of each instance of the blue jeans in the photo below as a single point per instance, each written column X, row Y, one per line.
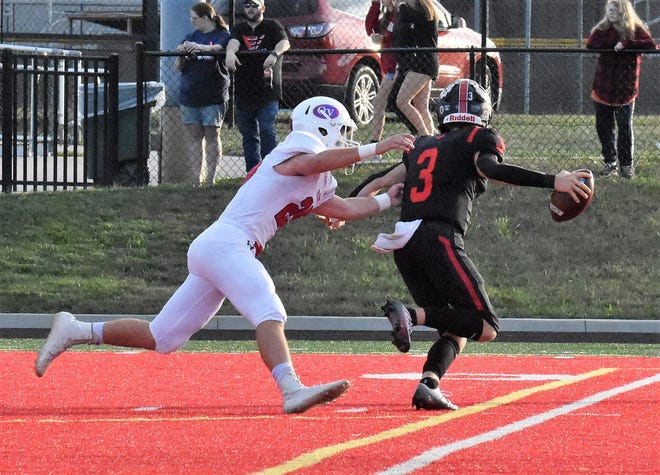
column 257, row 126
column 615, row 145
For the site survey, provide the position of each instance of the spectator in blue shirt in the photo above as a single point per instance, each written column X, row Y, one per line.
column 204, row 89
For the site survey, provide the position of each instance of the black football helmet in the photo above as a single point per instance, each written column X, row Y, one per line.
column 463, row 101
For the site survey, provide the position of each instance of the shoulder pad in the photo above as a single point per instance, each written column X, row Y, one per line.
column 490, row 140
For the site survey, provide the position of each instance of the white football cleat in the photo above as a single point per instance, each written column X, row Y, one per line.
column 65, row 332
column 302, row 399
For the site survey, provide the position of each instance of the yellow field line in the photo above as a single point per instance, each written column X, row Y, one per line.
column 315, row 456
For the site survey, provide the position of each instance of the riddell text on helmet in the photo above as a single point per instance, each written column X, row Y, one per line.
column 463, row 118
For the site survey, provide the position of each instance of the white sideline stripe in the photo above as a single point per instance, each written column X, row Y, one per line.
column 436, row 453
column 478, row 376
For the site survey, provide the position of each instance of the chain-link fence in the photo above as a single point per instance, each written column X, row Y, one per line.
column 536, row 70
column 545, row 113
column 548, row 23
column 93, row 27
column 102, row 27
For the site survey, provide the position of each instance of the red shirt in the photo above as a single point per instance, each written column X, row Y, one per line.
column 616, row 82
column 383, row 26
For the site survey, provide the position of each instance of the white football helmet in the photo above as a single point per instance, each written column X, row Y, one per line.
column 327, row 119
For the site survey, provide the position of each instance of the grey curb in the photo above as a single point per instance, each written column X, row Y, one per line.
column 361, row 327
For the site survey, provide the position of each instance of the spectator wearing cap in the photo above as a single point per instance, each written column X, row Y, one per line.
column 258, row 79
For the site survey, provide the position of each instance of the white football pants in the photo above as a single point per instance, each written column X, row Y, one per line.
column 221, row 265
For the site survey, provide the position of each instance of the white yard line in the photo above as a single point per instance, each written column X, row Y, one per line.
column 436, row 453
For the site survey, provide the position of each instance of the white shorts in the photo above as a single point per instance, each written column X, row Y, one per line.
column 221, row 265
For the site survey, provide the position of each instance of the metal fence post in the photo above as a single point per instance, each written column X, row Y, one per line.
column 7, row 122
column 111, row 165
column 484, row 38
column 528, row 57
column 579, row 65
column 140, row 165
column 151, row 37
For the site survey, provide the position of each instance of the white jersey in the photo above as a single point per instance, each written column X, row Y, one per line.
column 267, row 200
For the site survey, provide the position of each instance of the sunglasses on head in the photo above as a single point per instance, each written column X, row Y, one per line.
column 251, row 5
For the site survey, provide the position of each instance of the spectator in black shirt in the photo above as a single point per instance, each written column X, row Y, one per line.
column 258, row 79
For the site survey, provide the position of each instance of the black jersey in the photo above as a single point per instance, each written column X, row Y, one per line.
column 251, row 87
column 441, row 177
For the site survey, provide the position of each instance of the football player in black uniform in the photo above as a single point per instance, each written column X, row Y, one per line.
column 442, row 176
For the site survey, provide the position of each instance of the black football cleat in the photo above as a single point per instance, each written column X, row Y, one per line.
column 401, row 322
column 431, row 399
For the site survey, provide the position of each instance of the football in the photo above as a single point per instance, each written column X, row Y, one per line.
column 563, row 207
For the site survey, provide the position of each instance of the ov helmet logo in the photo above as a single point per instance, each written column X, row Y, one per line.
column 326, row 111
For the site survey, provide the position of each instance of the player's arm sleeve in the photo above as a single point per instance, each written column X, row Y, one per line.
column 490, row 167
column 370, row 179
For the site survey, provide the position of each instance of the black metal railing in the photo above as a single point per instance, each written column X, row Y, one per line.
column 59, row 121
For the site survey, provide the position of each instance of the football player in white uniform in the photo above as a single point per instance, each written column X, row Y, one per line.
column 291, row 182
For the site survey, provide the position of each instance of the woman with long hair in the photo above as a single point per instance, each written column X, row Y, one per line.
column 616, row 83
column 417, row 27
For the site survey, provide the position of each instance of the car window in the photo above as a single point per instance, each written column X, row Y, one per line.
column 359, row 8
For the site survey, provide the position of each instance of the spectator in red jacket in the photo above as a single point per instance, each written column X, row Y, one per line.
column 616, row 83
column 380, row 26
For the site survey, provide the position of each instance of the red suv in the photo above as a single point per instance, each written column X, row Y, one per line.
column 353, row 78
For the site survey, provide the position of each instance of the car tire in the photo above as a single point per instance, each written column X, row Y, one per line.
column 360, row 93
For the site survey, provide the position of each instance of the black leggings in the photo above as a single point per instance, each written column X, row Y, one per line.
column 616, row 143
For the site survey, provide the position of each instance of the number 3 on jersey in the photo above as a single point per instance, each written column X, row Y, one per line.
column 426, row 160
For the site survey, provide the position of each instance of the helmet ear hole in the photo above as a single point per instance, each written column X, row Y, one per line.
column 323, row 131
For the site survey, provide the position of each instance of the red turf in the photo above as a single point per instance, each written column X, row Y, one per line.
column 221, row 413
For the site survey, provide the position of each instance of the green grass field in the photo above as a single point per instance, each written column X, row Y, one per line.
column 379, row 347
column 122, row 250
column 543, row 141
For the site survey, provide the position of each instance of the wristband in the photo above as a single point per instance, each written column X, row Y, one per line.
column 367, row 151
column 275, row 53
column 384, row 201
